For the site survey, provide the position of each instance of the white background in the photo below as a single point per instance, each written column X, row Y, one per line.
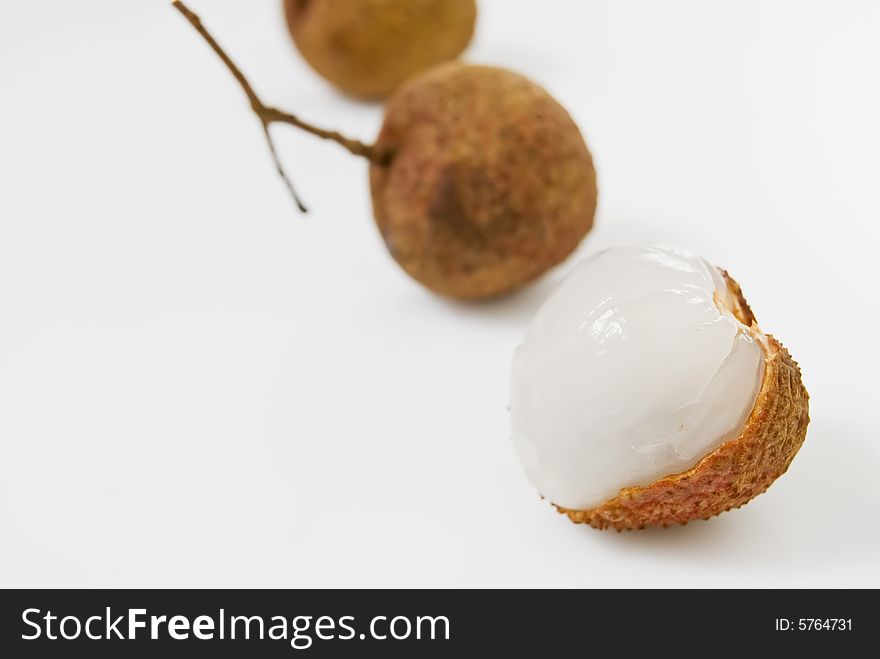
column 200, row 387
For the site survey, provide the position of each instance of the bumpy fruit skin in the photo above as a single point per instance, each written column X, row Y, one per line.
column 735, row 472
column 367, row 48
column 489, row 183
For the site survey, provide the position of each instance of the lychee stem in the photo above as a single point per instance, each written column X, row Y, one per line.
column 268, row 115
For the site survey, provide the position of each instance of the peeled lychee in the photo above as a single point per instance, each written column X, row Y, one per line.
column 367, row 48
column 488, row 181
column 645, row 394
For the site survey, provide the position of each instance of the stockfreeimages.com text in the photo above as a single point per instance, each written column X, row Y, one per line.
column 300, row 631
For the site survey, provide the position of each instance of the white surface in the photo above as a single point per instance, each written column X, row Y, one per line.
column 200, row 387
column 633, row 369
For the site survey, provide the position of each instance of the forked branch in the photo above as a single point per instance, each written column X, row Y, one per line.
column 269, row 115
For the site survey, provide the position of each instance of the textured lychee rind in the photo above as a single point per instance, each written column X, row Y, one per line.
column 735, row 472
column 367, row 48
column 489, row 184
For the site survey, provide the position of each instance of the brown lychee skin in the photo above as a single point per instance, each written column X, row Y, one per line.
column 490, row 182
column 367, row 48
column 735, row 472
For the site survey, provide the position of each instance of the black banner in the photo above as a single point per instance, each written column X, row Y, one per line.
column 287, row 623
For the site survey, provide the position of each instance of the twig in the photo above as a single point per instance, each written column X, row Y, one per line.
column 268, row 115
column 279, row 167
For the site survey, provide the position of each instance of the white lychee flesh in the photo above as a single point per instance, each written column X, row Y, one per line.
column 632, row 370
